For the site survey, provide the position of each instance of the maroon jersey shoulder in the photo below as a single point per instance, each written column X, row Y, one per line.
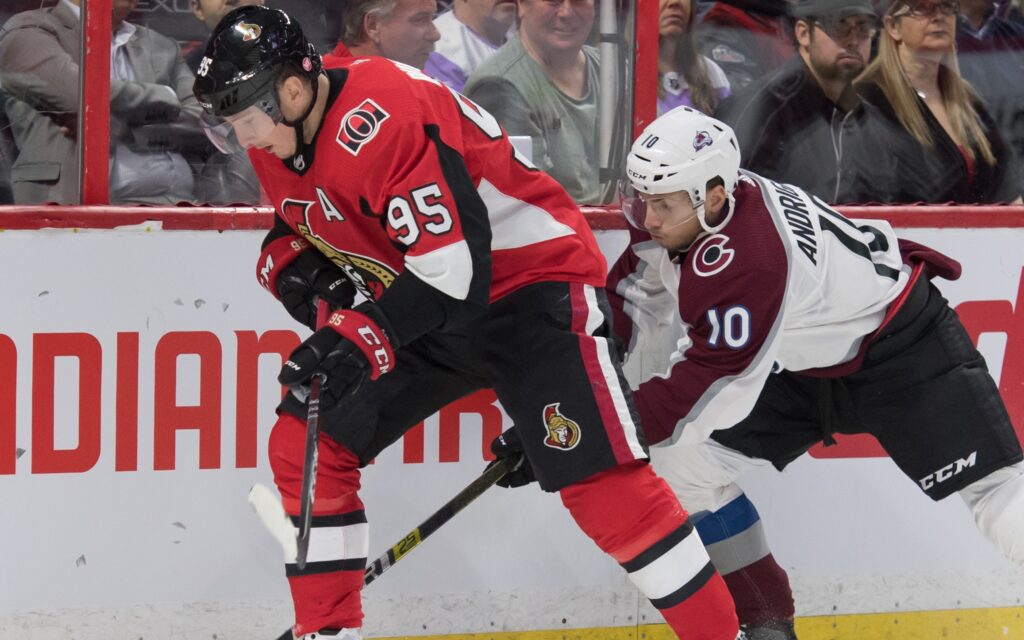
column 742, row 264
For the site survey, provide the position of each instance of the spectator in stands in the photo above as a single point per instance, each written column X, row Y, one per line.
column 684, row 76
column 747, row 38
column 543, row 83
column 945, row 146
column 209, row 12
column 990, row 49
column 801, row 124
column 402, row 30
column 470, row 33
column 151, row 107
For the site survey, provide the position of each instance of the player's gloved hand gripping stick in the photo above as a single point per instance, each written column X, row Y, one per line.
column 353, row 344
column 347, row 347
column 509, row 447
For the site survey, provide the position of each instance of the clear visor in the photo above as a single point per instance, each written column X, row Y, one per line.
column 671, row 210
column 238, row 132
column 633, row 206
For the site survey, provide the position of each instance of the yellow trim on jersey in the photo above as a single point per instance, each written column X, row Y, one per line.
column 957, row 624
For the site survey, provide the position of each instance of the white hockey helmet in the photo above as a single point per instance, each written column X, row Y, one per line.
column 682, row 151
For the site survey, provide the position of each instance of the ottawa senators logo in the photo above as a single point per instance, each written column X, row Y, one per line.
column 711, row 256
column 563, row 433
column 360, row 125
column 249, row 31
column 370, row 277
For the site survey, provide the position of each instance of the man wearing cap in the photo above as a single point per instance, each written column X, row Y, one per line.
column 803, row 124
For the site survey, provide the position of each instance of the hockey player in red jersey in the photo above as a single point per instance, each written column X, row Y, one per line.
column 478, row 271
column 787, row 322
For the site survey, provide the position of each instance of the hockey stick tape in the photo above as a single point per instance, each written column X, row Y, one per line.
column 270, row 512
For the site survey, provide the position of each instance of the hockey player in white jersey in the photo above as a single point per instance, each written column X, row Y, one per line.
column 783, row 322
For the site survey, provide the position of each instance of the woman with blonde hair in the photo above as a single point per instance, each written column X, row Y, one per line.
column 944, row 144
column 685, row 78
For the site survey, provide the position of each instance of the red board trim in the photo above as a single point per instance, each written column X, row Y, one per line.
column 600, row 218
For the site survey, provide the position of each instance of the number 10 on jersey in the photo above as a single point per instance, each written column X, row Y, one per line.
column 731, row 327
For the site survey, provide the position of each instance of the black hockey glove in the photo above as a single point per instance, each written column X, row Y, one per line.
column 297, row 274
column 309, row 277
column 349, row 348
column 508, row 445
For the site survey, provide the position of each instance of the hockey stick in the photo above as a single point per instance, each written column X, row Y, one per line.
column 472, row 491
column 311, row 458
column 270, row 511
column 309, row 465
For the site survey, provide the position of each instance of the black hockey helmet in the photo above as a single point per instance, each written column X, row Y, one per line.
column 244, row 58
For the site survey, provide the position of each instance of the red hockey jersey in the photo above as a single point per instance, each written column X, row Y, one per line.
column 418, row 195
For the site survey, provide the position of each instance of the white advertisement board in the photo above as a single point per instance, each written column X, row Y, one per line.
column 138, row 371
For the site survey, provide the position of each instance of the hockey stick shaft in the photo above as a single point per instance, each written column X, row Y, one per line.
column 311, row 457
column 400, row 549
column 473, row 491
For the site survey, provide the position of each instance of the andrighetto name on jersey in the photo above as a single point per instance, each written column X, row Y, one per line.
column 795, row 210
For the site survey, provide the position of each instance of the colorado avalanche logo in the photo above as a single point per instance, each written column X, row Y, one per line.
column 711, row 256
column 701, row 140
column 563, row 433
column 249, row 31
column 360, row 125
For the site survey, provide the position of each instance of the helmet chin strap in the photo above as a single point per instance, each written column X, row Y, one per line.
column 727, row 210
column 682, row 222
column 700, row 212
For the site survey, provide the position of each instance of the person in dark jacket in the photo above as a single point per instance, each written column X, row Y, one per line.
column 799, row 124
column 944, row 145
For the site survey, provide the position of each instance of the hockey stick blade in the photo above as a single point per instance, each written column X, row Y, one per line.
column 400, row 549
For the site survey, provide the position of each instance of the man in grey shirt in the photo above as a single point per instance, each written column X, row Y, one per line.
column 543, row 83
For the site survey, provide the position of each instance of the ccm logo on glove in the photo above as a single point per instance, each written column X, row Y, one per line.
column 378, row 351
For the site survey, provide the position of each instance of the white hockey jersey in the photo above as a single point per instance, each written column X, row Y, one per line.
column 788, row 283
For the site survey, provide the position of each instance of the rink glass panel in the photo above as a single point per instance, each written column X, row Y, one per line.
column 175, row 19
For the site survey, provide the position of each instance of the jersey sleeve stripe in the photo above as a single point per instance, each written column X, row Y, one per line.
column 448, row 269
column 515, row 223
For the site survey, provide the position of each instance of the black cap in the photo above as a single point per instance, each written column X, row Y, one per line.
column 244, row 56
column 831, row 8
